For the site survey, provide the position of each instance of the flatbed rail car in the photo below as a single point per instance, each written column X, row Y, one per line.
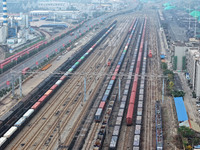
column 57, row 82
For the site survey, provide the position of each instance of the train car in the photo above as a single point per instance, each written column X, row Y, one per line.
column 150, row 54
column 2, row 141
column 28, row 113
column 98, row 115
column 113, row 143
column 10, row 132
column 20, row 122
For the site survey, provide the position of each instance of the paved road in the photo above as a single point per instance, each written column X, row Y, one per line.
column 7, row 76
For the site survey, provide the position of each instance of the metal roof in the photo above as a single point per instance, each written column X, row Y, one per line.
column 180, row 109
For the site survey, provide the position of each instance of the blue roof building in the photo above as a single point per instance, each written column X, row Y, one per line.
column 180, row 109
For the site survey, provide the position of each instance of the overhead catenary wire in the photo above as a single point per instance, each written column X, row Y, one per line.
column 95, row 74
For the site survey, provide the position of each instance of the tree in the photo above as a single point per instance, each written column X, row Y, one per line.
column 171, row 85
column 189, row 147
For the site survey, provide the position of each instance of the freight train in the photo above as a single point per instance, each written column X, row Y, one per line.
column 107, row 93
column 34, row 107
column 106, row 97
column 129, row 116
column 121, row 112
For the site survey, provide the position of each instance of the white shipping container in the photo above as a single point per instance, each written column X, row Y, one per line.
column 2, row 140
column 116, row 130
column 121, row 112
column 10, row 132
column 20, row 121
column 119, row 120
column 113, row 142
column 136, row 140
column 28, row 113
column 58, row 82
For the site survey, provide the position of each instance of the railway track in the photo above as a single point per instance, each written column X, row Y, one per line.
column 153, row 92
column 115, row 93
column 88, row 143
column 74, row 89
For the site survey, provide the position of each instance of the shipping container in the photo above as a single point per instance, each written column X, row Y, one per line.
column 118, row 121
column 111, row 82
column 122, row 105
column 2, row 141
column 53, row 87
column 139, row 120
column 116, row 130
column 10, row 132
column 128, row 82
column 105, row 98
column 125, row 92
column 102, row 104
column 136, row 140
column 137, row 129
column 141, row 92
column 120, row 113
column 139, row 111
column 98, row 114
column 67, row 73
column 113, row 142
column 124, row 98
column 36, row 105
column 113, row 77
column 70, row 70
column 58, row 82
column 42, row 98
column 28, row 113
column 20, row 122
column 107, row 92
column 48, row 93
column 109, row 87
column 63, row 77
column 141, row 97
column 140, row 104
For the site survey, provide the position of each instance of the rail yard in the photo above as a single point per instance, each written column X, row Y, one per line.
column 106, row 96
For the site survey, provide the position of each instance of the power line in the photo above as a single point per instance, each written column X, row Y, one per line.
column 96, row 74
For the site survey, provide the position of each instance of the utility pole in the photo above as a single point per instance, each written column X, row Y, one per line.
column 20, row 84
column 13, row 85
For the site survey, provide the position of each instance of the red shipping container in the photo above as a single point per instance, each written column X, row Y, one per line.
column 42, row 98
column 36, row 105
column 102, row 105
column 53, row 87
column 63, row 77
column 113, row 77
